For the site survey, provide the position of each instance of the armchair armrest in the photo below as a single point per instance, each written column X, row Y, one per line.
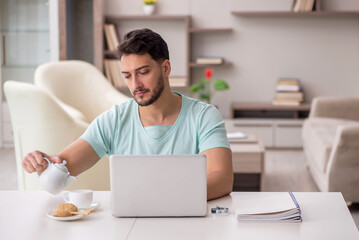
column 115, row 97
column 343, row 165
column 335, row 107
column 73, row 112
column 347, row 136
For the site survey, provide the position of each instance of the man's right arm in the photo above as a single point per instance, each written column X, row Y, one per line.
column 79, row 156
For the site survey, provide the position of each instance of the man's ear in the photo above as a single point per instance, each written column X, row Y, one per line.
column 166, row 66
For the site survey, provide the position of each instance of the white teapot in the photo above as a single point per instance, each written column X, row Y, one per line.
column 56, row 177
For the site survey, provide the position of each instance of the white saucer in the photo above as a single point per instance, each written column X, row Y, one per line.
column 73, row 217
column 93, row 205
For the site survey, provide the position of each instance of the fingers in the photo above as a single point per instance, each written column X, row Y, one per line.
column 52, row 158
column 55, row 159
column 34, row 161
column 28, row 167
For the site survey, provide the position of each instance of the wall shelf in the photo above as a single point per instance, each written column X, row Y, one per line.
column 116, row 18
column 139, row 21
column 296, row 14
column 198, row 65
column 211, row 30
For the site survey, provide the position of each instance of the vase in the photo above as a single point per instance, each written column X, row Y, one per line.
column 149, row 9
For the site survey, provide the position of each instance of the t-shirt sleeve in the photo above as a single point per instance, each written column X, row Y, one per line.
column 212, row 132
column 100, row 132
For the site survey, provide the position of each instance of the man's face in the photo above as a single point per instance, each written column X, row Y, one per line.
column 144, row 78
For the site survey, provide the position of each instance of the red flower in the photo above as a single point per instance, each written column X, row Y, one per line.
column 208, row 73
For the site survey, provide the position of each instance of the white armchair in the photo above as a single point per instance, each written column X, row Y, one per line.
column 48, row 116
column 84, row 92
column 81, row 87
column 38, row 122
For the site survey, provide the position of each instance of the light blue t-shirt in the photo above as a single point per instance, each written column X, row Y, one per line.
column 199, row 127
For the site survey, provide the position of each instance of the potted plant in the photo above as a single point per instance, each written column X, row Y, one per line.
column 149, row 6
column 204, row 87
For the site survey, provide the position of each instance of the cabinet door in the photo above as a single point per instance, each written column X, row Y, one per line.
column 262, row 127
column 288, row 133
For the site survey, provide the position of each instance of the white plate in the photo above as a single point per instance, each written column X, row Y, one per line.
column 73, row 217
column 92, row 206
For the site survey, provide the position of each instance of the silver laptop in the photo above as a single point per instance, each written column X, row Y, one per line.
column 158, row 185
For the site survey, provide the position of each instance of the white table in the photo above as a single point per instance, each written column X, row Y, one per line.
column 23, row 216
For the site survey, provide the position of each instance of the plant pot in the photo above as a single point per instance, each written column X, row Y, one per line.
column 149, row 9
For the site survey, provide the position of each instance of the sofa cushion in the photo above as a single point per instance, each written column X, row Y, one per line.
column 318, row 137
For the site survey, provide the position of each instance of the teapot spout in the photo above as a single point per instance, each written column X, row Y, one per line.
column 70, row 179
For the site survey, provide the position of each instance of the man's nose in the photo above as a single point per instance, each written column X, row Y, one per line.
column 136, row 83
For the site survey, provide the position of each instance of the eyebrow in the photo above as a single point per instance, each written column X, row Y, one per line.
column 139, row 68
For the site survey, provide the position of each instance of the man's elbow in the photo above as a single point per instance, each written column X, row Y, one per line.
column 229, row 184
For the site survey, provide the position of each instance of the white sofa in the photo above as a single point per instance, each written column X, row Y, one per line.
column 331, row 145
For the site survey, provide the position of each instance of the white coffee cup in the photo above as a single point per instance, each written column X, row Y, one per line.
column 81, row 198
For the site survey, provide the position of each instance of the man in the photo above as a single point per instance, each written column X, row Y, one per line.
column 155, row 121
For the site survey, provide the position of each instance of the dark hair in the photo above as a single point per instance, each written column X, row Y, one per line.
column 142, row 41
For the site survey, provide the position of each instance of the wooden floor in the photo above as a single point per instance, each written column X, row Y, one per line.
column 284, row 170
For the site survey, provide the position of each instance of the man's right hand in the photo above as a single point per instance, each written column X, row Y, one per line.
column 34, row 161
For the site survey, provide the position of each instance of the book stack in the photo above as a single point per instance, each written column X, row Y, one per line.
column 209, row 60
column 303, row 5
column 178, row 81
column 288, row 92
column 111, row 37
column 273, row 207
column 113, row 73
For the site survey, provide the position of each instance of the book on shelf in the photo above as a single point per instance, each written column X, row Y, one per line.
column 298, row 95
column 288, row 92
column 178, row 81
column 113, row 73
column 303, row 5
column 274, row 207
column 108, row 71
column 288, row 81
column 111, row 37
column 209, row 60
column 287, row 88
column 288, row 85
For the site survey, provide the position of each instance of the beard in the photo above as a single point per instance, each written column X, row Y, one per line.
column 156, row 93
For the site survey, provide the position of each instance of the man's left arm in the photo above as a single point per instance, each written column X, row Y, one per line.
column 219, row 172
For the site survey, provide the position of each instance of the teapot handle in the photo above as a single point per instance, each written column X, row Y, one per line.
column 48, row 161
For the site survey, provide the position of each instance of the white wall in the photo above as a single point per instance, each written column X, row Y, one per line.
column 54, row 30
column 323, row 52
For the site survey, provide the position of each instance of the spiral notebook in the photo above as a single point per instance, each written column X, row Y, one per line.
column 274, row 207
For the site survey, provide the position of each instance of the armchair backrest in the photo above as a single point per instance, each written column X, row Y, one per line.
column 335, row 107
column 79, row 85
column 39, row 123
